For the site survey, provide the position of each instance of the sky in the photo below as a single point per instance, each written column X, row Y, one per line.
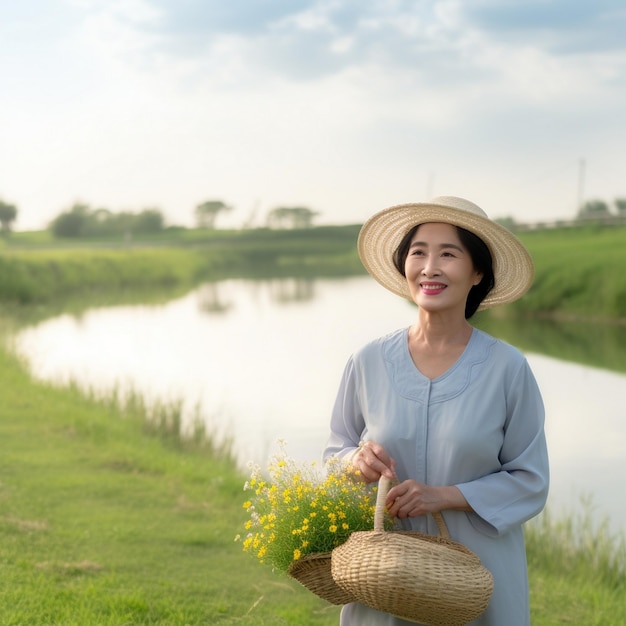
column 342, row 106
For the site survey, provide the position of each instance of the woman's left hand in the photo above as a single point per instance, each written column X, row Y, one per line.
column 412, row 499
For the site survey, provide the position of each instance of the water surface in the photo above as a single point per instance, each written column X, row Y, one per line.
column 261, row 361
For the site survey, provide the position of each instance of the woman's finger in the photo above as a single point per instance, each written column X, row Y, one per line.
column 374, row 461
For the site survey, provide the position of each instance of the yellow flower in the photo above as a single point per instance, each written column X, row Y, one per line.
column 284, row 510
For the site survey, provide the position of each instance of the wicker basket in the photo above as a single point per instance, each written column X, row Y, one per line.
column 313, row 572
column 421, row 578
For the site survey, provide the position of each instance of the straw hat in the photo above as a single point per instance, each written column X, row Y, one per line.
column 382, row 233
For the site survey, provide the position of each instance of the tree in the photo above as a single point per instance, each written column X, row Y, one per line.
column 149, row 221
column 207, row 212
column 598, row 209
column 83, row 221
column 620, row 205
column 291, row 217
column 508, row 222
column 72, row 223
column 8, row 213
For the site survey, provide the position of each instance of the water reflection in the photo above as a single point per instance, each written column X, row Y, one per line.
column 210, row 300
column 262, row 360
column 292, row 290
column 592, row 343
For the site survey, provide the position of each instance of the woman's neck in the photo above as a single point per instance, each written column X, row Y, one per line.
column 434, row 330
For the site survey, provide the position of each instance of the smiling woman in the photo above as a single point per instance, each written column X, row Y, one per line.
column 414, row 256
column 452, row 415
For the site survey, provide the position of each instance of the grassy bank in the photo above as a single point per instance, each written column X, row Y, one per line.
column 38, row 276
column 36, row 269
column 104, row 520
column 578, row 270
column 579, row 273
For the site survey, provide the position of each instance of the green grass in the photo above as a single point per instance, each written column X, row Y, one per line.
column 578, row 570
column 32, row 276
column 107, row 520
column 579, row 272
column 36, row 269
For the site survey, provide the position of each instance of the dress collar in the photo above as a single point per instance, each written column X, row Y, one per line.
column 409, row 382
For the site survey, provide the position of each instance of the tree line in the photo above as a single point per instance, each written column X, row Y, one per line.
column 81, row 220
column 600, row 208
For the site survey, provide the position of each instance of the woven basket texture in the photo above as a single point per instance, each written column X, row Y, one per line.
column 422, row 578
column 313, row 572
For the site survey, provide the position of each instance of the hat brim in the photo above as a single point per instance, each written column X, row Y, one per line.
column 381, row 235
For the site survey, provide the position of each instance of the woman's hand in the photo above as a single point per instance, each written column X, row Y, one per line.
column 372, row 461
column 412, row 499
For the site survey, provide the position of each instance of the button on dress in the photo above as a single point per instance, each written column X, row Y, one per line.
column 479, row 426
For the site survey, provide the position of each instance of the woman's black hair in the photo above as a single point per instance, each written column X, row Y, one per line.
column 481, row 259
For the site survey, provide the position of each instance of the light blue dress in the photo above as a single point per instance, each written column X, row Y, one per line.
column 479, row 426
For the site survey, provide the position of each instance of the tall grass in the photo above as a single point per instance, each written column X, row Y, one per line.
column 40, row 275
column 577, row 570
column 579, row 544
column 167, row 420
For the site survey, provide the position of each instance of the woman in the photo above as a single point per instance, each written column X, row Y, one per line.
column 450, row 412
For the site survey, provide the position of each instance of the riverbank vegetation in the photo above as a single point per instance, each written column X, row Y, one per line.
column 107, row 517
column 578, row 273
column 35, row 268
column 577, row 269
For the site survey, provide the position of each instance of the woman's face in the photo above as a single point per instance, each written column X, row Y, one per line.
column 439, row 269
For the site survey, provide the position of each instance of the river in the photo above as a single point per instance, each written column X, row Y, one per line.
column 259, row 361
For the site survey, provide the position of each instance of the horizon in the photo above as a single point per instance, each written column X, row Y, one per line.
column 333, row 105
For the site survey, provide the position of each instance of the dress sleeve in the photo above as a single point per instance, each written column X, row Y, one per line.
column 347, row 424
column 518, row 491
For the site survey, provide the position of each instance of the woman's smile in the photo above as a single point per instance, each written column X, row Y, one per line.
column 432, row 289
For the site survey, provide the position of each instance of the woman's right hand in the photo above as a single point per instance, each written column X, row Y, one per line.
column 372, row 461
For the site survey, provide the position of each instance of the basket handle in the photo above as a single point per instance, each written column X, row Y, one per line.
column 384, row 484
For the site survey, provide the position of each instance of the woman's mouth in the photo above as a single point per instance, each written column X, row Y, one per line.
column 432, row 289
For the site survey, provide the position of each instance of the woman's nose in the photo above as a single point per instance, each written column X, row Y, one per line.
column 430, row 267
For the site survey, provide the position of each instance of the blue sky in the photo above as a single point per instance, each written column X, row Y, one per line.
column 344, row 106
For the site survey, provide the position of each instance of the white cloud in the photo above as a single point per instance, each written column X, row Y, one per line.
column 339, row 105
